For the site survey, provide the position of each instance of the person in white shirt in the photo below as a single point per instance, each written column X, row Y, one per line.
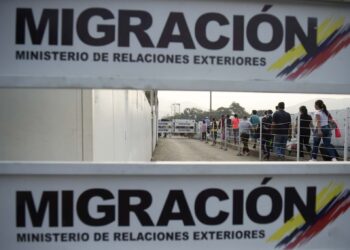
column 322, row 131
column 245, row 128
column 203, row 129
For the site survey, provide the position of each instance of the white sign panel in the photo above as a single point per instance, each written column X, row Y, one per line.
column 184, row 126
column 174, row 207
column 197, row 45
column 165, row 126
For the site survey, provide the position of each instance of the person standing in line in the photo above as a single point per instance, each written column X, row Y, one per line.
column 322, row 131
column 281, row 129
column 204, row 130
column 228, row 129
column 305, row 125
column 222, row 128
column 207, row 121
column 235, row 127
column 266, row 143
column 255, row 121
column 214, row 131
column 245, row 127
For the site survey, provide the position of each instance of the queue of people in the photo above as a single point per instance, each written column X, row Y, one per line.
column 275, row 132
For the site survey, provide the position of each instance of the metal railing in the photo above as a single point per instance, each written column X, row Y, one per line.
column 293, row 149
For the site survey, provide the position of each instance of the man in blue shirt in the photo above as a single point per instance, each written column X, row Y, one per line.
column 281, row 129
column 255, row 121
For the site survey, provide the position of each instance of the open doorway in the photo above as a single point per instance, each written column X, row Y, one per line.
column 204, row 142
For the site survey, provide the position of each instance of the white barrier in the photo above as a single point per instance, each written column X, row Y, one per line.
column 174, row 206
column 82, row 202
column 211, row 51
column 75, row 125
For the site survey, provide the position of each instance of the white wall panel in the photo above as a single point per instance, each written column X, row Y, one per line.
column 39, row 125
column 48, row 125
column 122, row 126
column 120, row 109
column 103, row 125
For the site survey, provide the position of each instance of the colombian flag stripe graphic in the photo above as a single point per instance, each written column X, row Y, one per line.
column 332, row 37
column 331, row 202
column 324, row 197
column 326, row 28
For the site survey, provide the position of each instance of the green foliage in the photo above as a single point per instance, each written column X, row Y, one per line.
column 261, row 112
column 198, row 114
column 238, row 109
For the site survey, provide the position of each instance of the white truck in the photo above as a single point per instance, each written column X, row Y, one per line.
column 165, row 127
column 184, row 127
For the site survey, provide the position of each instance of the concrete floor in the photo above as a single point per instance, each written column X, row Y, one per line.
column 184, row 149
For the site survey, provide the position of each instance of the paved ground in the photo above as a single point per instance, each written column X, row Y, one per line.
column 183, row 149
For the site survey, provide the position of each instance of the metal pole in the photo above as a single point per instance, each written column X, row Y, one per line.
column 152, row 120
column 156, row 113
column 210, row 105
column 225, row 144
column 206, row 131
column 298, row 137
column 212, row 131
column 206, row 134
column 260, row 146
column 346, row 134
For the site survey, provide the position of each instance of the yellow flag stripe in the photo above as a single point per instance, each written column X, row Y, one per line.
column 322, row 199
column 324, row 30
